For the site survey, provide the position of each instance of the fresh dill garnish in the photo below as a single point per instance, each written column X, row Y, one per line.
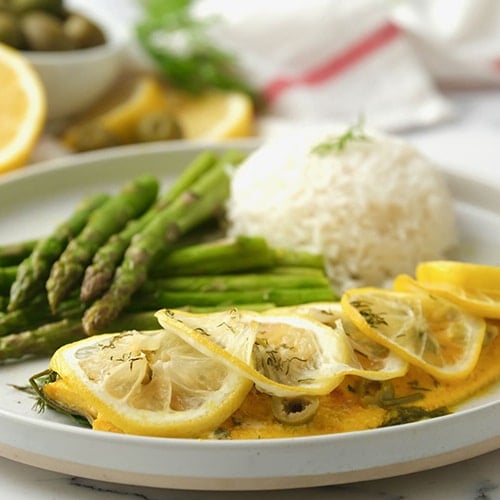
column 364, row 308
column 337, row 144
column 179, row 45
column 37, row 382
column 407, row 414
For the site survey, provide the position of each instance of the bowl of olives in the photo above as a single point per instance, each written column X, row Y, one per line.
column 78, row 52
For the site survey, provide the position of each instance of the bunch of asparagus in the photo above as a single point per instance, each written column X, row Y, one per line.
column 117, row 259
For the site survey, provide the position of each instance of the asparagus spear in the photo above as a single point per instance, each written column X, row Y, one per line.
column 222, row 256
column 185, row 291
column 27, row 317
column 205, row 197
column 249, row 281
column 40, row 341
column 44, row 340
column 7, row 277
column 13, row 254
column 99, row 274
column 132, row 201
column 290, row 258
column 176, row 298
column 33, row 272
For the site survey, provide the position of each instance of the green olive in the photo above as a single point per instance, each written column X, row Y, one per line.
column 157, row 126
column 82, row 32
column 43, row 32
column 54, row 7
column 294, row 411
column 10, row 31
column 93, row 135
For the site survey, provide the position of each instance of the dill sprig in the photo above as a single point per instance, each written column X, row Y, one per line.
column 180, row 47
column 36, row 383
column 337, row 144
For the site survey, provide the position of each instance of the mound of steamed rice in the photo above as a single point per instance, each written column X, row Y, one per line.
column 374, row 209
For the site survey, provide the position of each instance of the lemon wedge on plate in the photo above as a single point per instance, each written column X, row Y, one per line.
column 284, row 355
column 23, row 108
column 146, row 383
column 427, row 330
column 475, row 287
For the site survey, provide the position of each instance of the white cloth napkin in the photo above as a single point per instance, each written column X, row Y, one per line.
column 324, row 60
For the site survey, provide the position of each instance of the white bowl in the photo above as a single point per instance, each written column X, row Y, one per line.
column 74, row 79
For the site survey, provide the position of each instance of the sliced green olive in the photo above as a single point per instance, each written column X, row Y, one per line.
column 93, row 136
column 294, row 411
column 157, row 126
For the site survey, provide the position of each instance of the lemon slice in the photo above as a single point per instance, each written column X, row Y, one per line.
column 284, row 355
column 147, row 383
column 369, row 359
column 216, row 116
column 474, row 287
column 428, row 331
column 462, row 274
column 119, row 111
column 23, row 109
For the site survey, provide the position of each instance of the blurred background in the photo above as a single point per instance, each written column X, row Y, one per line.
column 215, row 69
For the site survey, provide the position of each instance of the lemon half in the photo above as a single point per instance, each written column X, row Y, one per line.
column 23, row 108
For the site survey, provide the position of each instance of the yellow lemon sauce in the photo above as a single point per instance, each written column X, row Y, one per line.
column 349, row 408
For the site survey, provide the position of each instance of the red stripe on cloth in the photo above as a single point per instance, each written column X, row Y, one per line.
column 338, row 64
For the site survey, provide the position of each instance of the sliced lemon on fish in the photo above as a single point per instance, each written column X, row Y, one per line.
column 284, row 355
column 474, row 287
column 147, row 383
column 368, row 359
column 427, row 330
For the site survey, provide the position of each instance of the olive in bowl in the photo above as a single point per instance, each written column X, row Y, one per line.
column 78, row 53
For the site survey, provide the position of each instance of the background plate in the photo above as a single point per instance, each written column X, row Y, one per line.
column 34, row 200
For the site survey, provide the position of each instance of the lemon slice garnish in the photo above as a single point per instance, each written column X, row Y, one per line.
column 216, row 115
column 474, row 287
column 426, row 330
column 463, row 274
column 284, row 355
column 119, row 110
column 369, row 359
column 148, row 383
column 23, row 107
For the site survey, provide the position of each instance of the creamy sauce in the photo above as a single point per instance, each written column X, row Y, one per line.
column 350, row 408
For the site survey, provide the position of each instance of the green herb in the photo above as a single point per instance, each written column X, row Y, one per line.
column 222, row 433
column 337, row 144
column 406, row 414
column 37, row 382
column 364, row 308
column 182, row 50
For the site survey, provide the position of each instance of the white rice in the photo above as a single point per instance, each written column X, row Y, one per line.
column 374, row 209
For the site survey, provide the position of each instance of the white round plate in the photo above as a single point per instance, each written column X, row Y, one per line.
column 35, row 200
